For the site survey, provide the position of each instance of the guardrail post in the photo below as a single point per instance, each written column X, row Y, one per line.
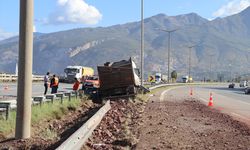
column 40, row 99
column 68, row 94
column 7, row 111
column 75, row 92
column 51, row 97
column 60, row 95
column 7, row 108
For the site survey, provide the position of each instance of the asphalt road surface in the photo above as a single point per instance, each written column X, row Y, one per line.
column 231, row 101
column 9, row 90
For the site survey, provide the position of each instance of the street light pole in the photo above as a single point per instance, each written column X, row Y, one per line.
column 189, row 63
column 24, row 92
column 230, row 66
column 210, row 66
column 169, row 36
column 142, row 43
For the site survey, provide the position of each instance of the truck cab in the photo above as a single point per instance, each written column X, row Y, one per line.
column 158, row 78
column 72, row 72
column 185, row 79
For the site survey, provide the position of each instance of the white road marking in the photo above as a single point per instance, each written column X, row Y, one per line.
column 204, row 100
column 244, row 102
column 164, row 92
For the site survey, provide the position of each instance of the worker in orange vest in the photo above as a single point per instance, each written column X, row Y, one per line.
column 54, row 84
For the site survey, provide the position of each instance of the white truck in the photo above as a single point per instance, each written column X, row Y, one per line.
column 158, row 78
column 72, row 72
column 185, row 79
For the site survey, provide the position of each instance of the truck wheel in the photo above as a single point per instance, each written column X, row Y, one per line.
column 131, row 90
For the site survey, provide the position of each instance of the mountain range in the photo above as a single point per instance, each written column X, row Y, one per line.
column 222, row 46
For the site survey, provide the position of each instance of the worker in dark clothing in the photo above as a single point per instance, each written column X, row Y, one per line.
column 54, row 84
column 46, row 82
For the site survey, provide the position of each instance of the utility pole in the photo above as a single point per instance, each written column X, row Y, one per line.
column 169, row 36
column 230, row 67
column 142, row 43
column 189, row 62
column 24, row 92
column 210, row 67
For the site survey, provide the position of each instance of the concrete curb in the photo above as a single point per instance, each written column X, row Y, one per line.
column 162, row 85
column 174, row 84
column 77, row 139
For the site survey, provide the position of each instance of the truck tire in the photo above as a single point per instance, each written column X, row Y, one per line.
column 131, row 90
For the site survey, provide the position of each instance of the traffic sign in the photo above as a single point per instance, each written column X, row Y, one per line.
column 151, row 78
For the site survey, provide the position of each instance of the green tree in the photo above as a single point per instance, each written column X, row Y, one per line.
column 174, row 76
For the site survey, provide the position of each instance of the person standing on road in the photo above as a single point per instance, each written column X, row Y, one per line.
column 54, row 84
column 46, row 82
column 76, row 85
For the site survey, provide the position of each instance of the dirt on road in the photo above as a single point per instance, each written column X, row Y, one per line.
column 190, row 125
column 119, row 128
column 169, row 124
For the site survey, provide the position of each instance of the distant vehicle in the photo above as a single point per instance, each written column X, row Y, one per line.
column 231, row 85
column 247, row 90
column 158, row 78
column 243, row 83
column 92, row 82
column 78, row 72
column 164, row 78
column 184, row 79
column 190, row 79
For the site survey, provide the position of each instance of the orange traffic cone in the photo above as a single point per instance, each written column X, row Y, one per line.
column 191, row 92
column 210, row 103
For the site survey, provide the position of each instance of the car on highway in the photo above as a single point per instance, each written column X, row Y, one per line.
column 247, row 90
column 231, row 85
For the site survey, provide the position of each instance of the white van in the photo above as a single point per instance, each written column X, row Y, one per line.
column 243, row 83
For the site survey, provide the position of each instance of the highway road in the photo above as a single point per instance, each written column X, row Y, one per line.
column 9, row 90
column 231, row 101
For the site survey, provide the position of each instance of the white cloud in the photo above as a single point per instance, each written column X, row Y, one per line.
column 74, row 11
column 5, row 35
column 232, row 7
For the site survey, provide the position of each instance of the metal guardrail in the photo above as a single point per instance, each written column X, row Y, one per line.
column 76, row 140
column 12, row 77
column 6, row 106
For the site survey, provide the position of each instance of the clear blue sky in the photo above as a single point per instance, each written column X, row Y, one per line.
column 57, row 15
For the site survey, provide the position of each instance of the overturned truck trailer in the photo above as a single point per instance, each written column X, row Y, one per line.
column 118, row 78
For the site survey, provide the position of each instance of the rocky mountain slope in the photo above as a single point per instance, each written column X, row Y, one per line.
column 222, row 46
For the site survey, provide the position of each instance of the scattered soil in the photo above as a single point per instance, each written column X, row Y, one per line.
column 49, row 134
column 190, row 125
column 171, row 124
column 133, row 124
column 119, row 128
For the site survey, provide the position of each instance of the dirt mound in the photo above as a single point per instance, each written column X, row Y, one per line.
column 119, row 128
